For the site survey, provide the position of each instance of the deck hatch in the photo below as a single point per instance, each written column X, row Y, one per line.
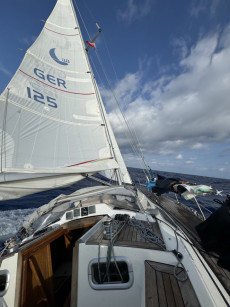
column 162, row 288
column 118, row 276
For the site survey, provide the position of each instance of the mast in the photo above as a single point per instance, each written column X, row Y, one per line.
column 3, row 141
column 108, row 131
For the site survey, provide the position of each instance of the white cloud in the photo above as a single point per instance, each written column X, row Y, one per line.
column 135, row 11
column 189, row 162
column 187, row 111
column 197, row 146
column 5, row 71
column 225, row 37
column 179, row 157
column 203, row 6
column 196, row 8
column 180, row 46
column 28, row 40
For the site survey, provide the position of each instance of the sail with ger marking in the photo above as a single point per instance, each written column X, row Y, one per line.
column 52, row 129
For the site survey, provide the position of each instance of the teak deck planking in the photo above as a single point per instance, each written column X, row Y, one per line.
column 128, row 236
column 162, row 289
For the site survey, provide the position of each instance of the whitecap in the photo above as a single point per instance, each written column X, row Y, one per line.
column 11, row 220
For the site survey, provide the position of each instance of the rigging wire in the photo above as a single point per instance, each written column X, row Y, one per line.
column 198, row 205
column 131, row 132
column 89, row 11
column 136, row 143
column 132, row 144
column 209, row 211
column 121, row 122
column 109, row 55
column 125, row 104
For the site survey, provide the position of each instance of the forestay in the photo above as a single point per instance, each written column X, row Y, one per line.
column 52, row 125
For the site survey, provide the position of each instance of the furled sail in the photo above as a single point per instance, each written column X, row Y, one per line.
column 52, row 128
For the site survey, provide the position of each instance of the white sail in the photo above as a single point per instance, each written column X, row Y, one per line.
column 123, row 172
column 50, row 119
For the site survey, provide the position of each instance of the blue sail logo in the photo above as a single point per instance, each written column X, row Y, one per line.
column 55, row 58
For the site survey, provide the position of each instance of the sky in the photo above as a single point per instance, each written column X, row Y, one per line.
column 168, row 63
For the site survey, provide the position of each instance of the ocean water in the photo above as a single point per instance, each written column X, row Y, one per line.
column 14, row 212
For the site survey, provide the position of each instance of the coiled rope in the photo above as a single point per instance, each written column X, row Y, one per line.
column 147, row 233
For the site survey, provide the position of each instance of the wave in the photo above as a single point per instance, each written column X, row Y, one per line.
column 11, row 221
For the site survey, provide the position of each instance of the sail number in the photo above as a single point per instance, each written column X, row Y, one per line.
column 39, row 97
column 50, row 78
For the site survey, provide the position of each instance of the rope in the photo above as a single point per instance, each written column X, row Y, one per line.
column 3, row 250
column 147, row 233
column 119, row 272
column 110, row 247
column 150, row 236
column 114, row 225
column 98, row 262
column 179, row 262
column 8, row 244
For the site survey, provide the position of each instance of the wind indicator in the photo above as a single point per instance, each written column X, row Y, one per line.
column 92, row 44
